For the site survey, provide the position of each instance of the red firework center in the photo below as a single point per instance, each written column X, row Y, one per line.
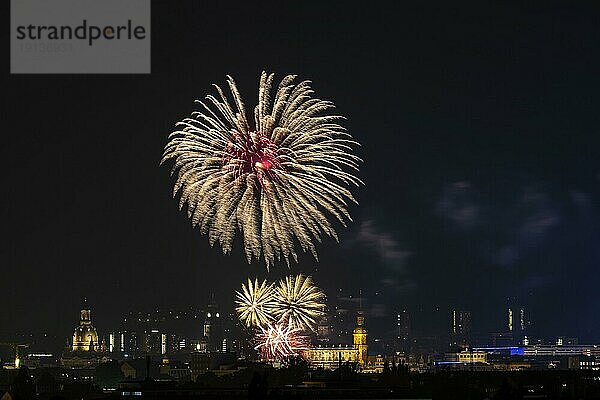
column 251, row 152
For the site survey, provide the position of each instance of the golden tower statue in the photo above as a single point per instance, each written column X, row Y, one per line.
column 360, row 339
column 85, row 337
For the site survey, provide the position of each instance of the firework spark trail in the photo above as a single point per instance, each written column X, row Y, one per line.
column 298, row 302
column 295, row 301
column 278, row 342
column 254, row 303
column 278, row 182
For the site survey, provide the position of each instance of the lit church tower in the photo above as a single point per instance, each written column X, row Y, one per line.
column 85, row 337
column 332, row 356
column 360, row 339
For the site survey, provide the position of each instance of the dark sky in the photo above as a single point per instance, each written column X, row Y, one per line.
column 479, row 131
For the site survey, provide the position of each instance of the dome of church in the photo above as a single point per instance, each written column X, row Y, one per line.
column 85, row 337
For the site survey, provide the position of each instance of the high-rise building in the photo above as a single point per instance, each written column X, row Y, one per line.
column 517, row 322
column 152, row 342
column 213, row 327
column 525, row 321
column 403, row 323
column 343, row 308
column 163, row 343
column 130, row 342
column 461, row 322
column 324, row 330
column 522, row 324
column 461, row 327
column 231, row 333
column 115, row 342
column 403, row 331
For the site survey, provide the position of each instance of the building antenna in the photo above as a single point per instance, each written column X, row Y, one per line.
column 360, row 299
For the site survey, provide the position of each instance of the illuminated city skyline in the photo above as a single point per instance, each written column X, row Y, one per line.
column 481, row 173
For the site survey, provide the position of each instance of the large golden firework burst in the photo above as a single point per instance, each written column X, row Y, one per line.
column 254, row 303
column 278, row 179
column 298, row 302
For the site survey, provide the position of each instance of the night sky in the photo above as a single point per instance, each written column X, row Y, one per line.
column 479, row 128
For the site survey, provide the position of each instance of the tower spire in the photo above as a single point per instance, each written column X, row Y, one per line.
column 360, row 334
column 360, row 299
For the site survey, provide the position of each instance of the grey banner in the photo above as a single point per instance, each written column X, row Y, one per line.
column 80, row 36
